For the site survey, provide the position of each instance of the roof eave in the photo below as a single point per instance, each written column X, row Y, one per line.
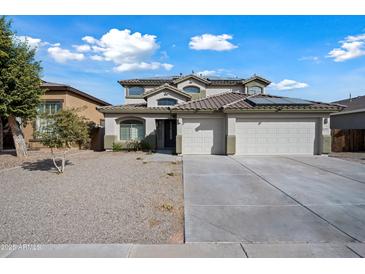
column 279, row 110
column 146, row 111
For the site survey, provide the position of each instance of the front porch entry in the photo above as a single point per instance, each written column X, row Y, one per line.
column 166, row 134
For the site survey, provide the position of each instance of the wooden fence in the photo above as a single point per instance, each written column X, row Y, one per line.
column 348, row 140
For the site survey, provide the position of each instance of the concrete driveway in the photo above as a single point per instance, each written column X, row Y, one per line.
column 274, row 200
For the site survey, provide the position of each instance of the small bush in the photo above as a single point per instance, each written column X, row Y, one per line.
column 133, row 145
column 171, row 174
column 145, row 146
column 167, row 206
column 117, row 147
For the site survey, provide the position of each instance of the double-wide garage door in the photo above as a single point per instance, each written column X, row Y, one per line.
column 276, row 136
column 203, row 136
column 253, row 136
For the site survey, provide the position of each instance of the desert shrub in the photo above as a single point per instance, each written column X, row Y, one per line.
column 133, row 145
column 145, row 146
column 64, row 129
column 167, row 207
column 117, row 147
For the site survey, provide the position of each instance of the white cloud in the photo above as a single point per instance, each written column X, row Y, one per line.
column 89, row 39
column 96, row 58
column 288, row 85
column 61, row 55
column 128, row 51
column 212, row 42
column 207, row 73
column 142, row 66
column 314, row 59
column 34, row 43
column 352, row 47
column 82, row 48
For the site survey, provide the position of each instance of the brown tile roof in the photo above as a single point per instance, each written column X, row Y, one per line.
column 214, row 102
column 227, row 102
column 141, row 108
column 209, row 80
column 56, row 86
column 233, row 101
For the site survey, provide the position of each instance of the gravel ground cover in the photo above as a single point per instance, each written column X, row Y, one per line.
column 9, row 160
column 102, row 197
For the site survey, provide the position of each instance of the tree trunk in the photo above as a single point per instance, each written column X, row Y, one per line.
column 1, row 135
column 18, row 137
column 61, row 168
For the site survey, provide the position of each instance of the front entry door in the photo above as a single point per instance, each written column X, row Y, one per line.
column 170, row 133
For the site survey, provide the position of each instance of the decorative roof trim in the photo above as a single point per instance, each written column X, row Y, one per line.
column 256, row 77
column 184, row 78
column 163, row 87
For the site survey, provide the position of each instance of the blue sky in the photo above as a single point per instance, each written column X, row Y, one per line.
column 311, row 57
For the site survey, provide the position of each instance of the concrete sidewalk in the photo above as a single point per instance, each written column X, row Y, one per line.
column 191, row 250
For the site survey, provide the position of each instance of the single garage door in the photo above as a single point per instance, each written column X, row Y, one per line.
column 276, row 136
column 203, row 136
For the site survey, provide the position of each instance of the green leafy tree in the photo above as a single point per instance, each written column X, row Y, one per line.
column 20, row 84
column 64, row 129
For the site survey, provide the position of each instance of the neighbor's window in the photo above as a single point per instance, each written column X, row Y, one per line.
column 255, row 90
column 131, row 130
column 166, row 102
column 135, row 91
column 191, row 89
column 46, row 107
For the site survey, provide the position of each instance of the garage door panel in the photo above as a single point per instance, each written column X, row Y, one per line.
column 203, row 136
column 276, row 136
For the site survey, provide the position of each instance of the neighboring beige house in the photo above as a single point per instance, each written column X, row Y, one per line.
column 210, row 115
column 58, row 96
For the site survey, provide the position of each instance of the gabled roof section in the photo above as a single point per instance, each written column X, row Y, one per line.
column 164, row 87
column 62, row 87
column 353, row 103
column 214, row 102
column 256, row 78
column 192, row 76
column 237, row 102
column 208, row 80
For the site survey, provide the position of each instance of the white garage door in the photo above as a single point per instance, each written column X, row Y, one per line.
column 203, row 136
column 276, row 136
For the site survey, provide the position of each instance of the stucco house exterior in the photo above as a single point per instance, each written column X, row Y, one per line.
column 58, row 96
column 193, row 114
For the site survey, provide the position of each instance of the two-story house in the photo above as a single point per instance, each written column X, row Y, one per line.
column 58, row 96
column 210, row 115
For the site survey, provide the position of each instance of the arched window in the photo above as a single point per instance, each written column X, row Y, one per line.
column 255, row 90
column 191, row 89
column 131, row 130
column 135, row 91
column 166, row 102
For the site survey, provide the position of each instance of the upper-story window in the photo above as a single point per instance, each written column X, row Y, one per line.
column 166, row 102
column 191, row 89
column 255, row 90
column 135, row 91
